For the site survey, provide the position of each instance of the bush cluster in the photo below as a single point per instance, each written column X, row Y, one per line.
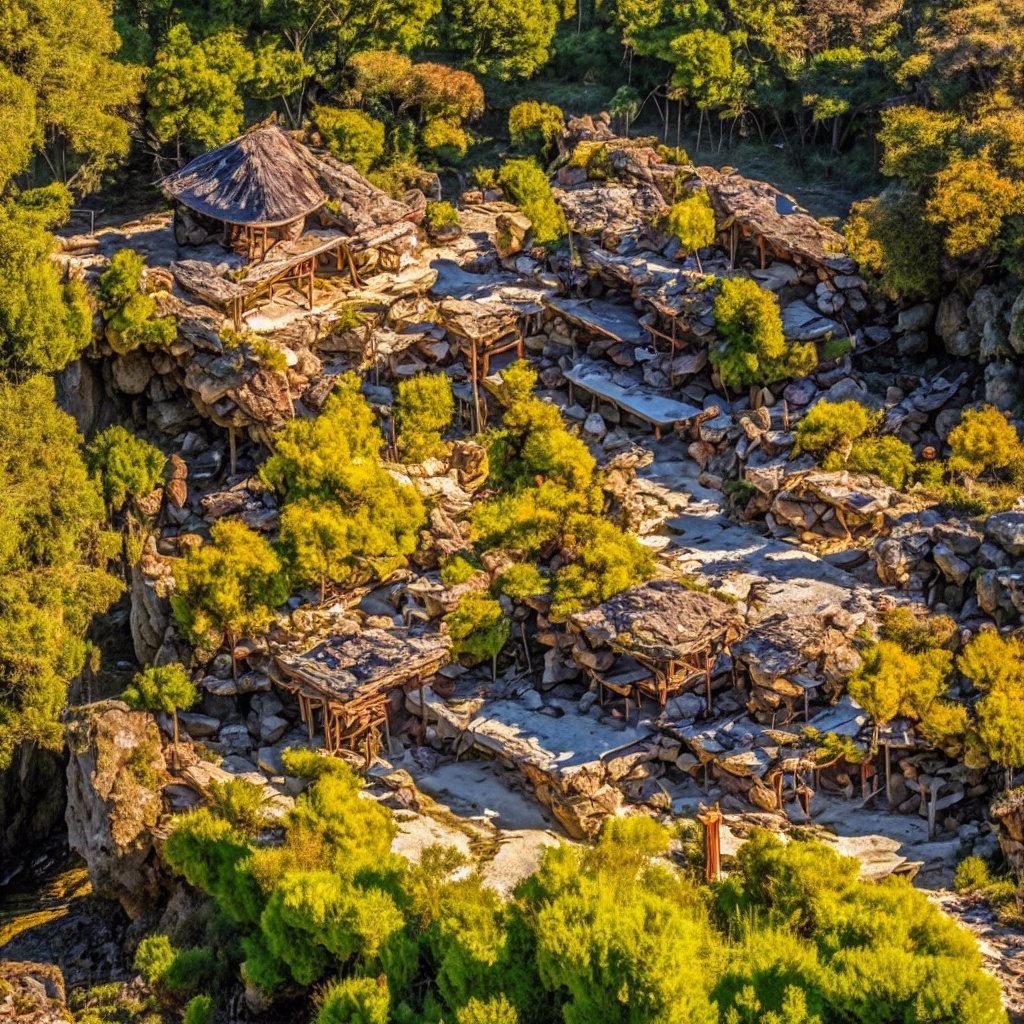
column 535, row 127
column 528, row 187
column 424, row 409
column 751, row 347
column 792, row 937
column 130, row 314
column 838, row 434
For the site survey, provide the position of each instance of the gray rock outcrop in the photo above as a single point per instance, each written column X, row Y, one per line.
column 115, row 770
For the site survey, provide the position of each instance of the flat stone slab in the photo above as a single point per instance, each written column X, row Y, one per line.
column 640, row 401
column 608, row 318
column 801, row 323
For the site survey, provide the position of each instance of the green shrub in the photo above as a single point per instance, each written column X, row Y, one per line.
column 985, row 442
column 346, row 518
column 191, row 971
column 136, row 324
column 887, row 457
column 831, row 426
column 424, row 408
column 916, row 634
column 440, row 215
column 521, row 581
column 445, row 139
column 491, row 1011
column 229, row 587
column 751, row 347
column 674, row 155
column 486, row 178
column 199, row 1010
column 397, row 176
column 535, row 127
column 891, row 681
column 304, row 763
column 692, row 221
column 241, row 803
column 130, row 315
column 892, row 240
column 355, row 1001
column 594, row 158
column 268, row 354
column 120, row 282
column 457, row 570
column 126, row 466
column 478, row 627
column 972, row 875
column 153, row 957
column 351, row 135
column 528, row 187
column 603, row 560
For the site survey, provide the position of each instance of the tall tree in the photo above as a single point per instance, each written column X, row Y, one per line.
column 229, row 587
column 44, row 322
column 83, row 98
column 164, row 688
column 505, row 38
column 53, row 554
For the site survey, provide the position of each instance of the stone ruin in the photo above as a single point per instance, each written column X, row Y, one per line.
column 619, row 334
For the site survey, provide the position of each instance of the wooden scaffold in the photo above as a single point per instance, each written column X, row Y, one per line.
column 347, row 680
column 657, row 640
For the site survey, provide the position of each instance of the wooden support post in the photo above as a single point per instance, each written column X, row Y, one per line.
column 888, row 775
column 711, row 819
column 232, row 451
column 526, row 648
column 777, row 784
column 477, row 427
column 707, row 679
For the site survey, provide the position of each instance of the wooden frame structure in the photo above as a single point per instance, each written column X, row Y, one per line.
column 483, row 330
column 347, row 682
column 294, row 262
column 656, row 640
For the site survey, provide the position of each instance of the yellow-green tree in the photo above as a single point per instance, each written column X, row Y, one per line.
column 751, row 346
column 229, row 587
column 166, row 688
column 45, row 322
column 692, row 221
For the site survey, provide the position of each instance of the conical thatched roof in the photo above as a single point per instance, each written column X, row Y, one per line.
column 262, row 178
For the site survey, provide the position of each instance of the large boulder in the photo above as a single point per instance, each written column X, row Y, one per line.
column 513, row 234
column 1007, row 530
column 150, row 613
column 115, row 773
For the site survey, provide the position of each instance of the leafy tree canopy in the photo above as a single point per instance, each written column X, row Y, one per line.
column 127, row 466
column 53, row 555
column 44, row 322
column 69, row 98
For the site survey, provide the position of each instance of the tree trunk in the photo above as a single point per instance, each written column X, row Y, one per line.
column 174, row 715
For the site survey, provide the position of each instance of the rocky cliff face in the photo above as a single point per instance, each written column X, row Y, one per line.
column 115, row 771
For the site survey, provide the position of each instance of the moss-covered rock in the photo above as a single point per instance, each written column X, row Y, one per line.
column 115, row 771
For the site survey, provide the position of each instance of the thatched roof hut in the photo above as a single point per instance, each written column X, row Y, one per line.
column 261, row 179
